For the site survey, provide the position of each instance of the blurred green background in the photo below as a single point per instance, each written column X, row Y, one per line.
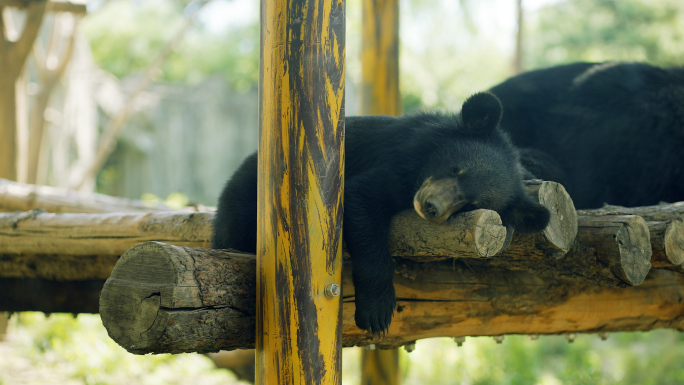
column 449, row 50
column 61, row 349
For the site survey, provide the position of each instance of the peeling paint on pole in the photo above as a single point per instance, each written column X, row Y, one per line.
column 301, row 170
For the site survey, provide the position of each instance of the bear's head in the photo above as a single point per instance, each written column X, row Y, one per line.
column 473, row 165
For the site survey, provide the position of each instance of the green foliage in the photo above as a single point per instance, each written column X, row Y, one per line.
column 125, row 36
column 67, row 350
column 625, row 359
column 603, row 30
column 61, row 349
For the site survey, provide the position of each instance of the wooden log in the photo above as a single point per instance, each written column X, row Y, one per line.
column 667, row 244
column 68, row 246
column 666, row 225
column 38, row 232
column 59, row 267
column 54, row 6
column 13, row 56
column 15, row 196
column 558, row 237
column 169, row 299
column 661, row 212
column 473, row 234
column 612, row 250
column 50, row 296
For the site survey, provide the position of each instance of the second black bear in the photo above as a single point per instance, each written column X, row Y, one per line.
column 437, row 163
column 615, row 129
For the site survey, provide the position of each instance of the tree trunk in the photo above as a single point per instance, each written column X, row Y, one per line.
column 13, row 55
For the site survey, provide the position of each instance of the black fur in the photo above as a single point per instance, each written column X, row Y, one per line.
column 615, row 129
column 388, row 159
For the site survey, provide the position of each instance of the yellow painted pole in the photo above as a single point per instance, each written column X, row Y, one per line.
column 300, row 193
column 380, row 96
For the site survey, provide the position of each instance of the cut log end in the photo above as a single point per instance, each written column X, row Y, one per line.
column 132, row 296
column 674, row 242
column 634, row 242
column 562, row 229
column 489, row 235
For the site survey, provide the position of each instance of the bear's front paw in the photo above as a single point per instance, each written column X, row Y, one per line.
column 374, row 307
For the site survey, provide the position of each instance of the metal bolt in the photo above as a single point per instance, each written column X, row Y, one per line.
column 603, row 335
column 332, row 290
column 369, row 347
column 411, row 346
column 499, row 339
column 571, row 337
column 459, row 340
column 534, row 337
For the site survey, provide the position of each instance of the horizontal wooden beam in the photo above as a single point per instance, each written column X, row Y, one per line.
column 168, row 299
column 15, row 196
column 54, row 6
column 50, row 296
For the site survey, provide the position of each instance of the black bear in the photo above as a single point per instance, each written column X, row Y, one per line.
column 438, row 163
column 615, row 129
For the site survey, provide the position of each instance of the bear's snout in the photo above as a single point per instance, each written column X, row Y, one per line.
column 435, row 201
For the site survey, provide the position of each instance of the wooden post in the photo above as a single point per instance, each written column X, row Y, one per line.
column 13, row 55
column 380, row 59
column 301, row 170
column 380, row 96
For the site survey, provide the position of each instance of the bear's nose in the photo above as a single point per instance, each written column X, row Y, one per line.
column 432, row 207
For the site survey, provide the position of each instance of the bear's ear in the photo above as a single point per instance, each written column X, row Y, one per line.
column 526, row 216
column 481, row 113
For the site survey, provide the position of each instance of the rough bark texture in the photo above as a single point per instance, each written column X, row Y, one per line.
column 15, row 196
column 158, row 293
column 473, row 234
column 667, row 237
column 67, row 246
column 38, row 232
column 621, row 243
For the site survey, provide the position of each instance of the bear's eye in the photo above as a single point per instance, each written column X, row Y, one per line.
column 457, row 171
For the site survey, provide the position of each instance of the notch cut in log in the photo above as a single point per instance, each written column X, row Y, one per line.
column 168, row 299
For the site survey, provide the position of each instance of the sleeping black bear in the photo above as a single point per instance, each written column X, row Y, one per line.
column 437, row 163
column 614, row 130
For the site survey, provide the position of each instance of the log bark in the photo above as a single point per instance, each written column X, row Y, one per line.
column 168, row 299
column 67, row 246
column 472, row 234
column 666, row 225
column 613, row 246
column 86, row 246
column 15, row 196
column 38, row 232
